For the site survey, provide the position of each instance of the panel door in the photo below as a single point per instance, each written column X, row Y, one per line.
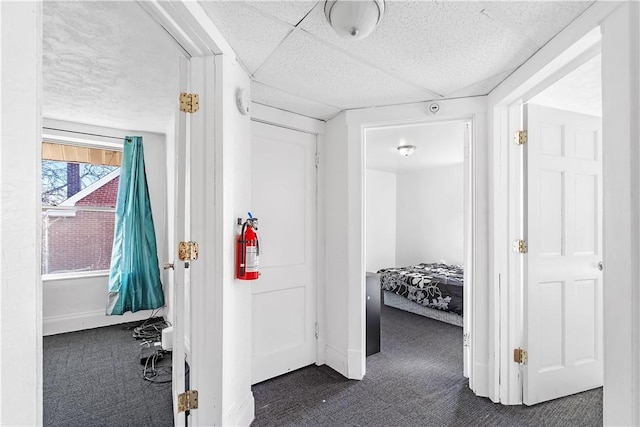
column 284, row 297
column 563, row 281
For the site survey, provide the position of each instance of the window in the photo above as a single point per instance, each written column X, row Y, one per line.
column 79, row 193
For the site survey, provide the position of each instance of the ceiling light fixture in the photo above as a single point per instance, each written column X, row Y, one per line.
column 406, row 150
column 354, row 19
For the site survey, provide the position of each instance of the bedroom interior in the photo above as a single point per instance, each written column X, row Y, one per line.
column 75, row 300
column 415, row 218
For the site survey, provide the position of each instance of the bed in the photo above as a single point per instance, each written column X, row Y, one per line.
column 433, row 290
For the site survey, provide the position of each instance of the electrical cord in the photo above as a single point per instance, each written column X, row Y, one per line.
column 150, row 332
column 152, row 372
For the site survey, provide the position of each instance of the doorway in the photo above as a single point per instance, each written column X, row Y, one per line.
column 562, row 227
column 418, row 219
column 555, row 204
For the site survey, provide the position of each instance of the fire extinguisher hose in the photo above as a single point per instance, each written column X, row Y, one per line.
column 243, row 249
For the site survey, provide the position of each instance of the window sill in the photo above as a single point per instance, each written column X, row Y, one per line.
column 74, row 275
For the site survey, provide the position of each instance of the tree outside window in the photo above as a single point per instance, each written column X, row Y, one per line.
column 79, row 193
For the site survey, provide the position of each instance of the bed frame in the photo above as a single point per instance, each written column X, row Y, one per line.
column 396, row 301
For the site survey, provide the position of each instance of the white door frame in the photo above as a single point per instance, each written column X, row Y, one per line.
column 620, row 53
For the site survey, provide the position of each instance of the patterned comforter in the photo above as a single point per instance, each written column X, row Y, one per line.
column 434, row 285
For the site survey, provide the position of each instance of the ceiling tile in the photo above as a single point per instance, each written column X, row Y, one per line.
column 441, row 46
column 289, row 11
column 540, row 21
column 108, row 64
column 266, row 95
column 251, row 34
column 313, row 70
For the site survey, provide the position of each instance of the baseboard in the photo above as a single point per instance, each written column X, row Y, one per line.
column 356, row 364
column 321, row 351
column 87, row 320
column 242, row 414
column 336, row 360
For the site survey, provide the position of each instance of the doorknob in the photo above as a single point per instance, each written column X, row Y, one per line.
column 600, row 266
column 167, row 265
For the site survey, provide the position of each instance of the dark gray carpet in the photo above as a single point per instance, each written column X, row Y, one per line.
column 94, row 378
column 416, row 380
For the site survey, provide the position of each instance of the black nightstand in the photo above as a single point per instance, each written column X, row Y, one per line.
column 373, row 293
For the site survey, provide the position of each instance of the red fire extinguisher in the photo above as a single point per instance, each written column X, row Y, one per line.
column 248, row 250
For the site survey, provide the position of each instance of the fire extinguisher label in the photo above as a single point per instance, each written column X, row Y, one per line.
column 251, row 265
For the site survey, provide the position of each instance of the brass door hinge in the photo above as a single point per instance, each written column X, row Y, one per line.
column 189, row 102
column 520, row 356
column 188, row 400
column 188, row 251
column 520, row 138
column 520, row 246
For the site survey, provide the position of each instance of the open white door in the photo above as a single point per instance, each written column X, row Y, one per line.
column 181, row 280
column 284, row 298
column 562, row 269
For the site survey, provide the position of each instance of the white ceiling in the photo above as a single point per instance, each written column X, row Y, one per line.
column 579, row 91
column 437, row 144
column 422, row 50
column 107, row 63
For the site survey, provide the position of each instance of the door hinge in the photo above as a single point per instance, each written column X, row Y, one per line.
column 520, row 246
column 188, row 400
column 317, row 330
column 520, row 356
column 189, row 102
column 466, row 340
column 317, row 160
column 520, row 137
column 188, row 251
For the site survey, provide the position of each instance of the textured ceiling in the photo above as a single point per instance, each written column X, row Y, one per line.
column 437, row 144
column 579, row 91
column 108, row 64
column 422, row 50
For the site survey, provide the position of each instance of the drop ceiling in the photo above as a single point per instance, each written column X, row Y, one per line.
column 422, row 50
column 108, row 63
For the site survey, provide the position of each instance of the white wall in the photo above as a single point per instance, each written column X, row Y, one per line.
column 430, row 220
column 71, row 304
column 381, row 220
column 20, row 152
column 621, row 158
column 336, row 250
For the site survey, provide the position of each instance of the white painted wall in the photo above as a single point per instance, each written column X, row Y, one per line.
column 430, row 220
column 20, row 153
column 221, row 309
column 621, row 161
column 71, row 304
column 334, row 163
column 381, row 220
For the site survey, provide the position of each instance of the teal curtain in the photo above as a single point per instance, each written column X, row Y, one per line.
column 134, row 278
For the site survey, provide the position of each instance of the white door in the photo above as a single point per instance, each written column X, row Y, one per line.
column 181, row 233
column 563, row 282
column 284, row 297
